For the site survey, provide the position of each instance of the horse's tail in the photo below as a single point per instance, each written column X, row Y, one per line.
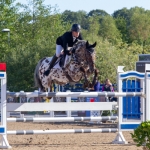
column 37, row 81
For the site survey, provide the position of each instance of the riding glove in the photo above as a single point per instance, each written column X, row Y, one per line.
column 68, row 52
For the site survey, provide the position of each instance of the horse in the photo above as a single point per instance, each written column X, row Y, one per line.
column 79, row 65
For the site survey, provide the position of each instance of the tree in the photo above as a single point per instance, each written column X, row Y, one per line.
column 110, row 56
column 97, row 12
column 122, row 19
column 76, row 17
column 94, row 27
column 123, row 13
column 139, row 28
column 133, row 24
column 8, row 18
column 108, row 29
column 121, row 25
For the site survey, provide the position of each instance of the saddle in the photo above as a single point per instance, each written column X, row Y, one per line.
column 64, row 60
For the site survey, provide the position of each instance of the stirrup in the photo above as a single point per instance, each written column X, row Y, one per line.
column 63, row 68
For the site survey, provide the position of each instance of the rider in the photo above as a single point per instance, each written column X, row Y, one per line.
column 68, row 39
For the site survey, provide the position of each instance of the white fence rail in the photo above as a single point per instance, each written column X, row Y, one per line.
column 63, row 106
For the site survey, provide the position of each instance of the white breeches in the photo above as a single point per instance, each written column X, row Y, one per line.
column 59, row 49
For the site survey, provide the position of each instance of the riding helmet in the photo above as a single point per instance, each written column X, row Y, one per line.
column 76, row 28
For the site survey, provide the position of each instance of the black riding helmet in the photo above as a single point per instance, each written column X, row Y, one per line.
column 76, row 28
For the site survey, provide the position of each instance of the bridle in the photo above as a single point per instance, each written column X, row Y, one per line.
column 85, row 55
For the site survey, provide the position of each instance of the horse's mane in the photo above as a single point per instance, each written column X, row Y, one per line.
column 81, row 43
column 78, row 44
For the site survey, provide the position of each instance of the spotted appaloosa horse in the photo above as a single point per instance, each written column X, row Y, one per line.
column 80, row 66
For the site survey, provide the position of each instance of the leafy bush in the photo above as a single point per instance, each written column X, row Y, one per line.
column 141, row 135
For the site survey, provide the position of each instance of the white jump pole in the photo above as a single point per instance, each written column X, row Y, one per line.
column 65, row 131
column 147, row 90
column 73, row 94
column 3, row 127
column 68, row 100
column 62, row 119
column 142, row 84
column 119, row 138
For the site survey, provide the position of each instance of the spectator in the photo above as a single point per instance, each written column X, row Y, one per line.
column 108, row 87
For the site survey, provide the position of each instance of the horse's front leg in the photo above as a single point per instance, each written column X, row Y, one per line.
column 86, row 82
column 94, row 78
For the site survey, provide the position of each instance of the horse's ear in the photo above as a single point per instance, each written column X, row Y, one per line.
column 94, row 45
column 87, row 44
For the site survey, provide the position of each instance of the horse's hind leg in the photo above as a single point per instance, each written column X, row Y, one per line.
column 37, row 80
column 50, row 90
column 51, row 86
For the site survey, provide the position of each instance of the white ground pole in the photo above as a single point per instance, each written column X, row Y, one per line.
column 3, row 127
column 64, row 131
column 147, row 77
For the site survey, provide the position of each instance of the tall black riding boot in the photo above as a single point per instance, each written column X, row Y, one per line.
column 63, row 61
column 46, row 73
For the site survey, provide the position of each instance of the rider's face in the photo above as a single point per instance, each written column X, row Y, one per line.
column 75, row 34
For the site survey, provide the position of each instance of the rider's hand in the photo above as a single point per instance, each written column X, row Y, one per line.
column 73, row 50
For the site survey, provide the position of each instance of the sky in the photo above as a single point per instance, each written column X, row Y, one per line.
column 87, row 5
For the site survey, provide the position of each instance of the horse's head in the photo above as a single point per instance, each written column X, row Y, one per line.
column 85, row 54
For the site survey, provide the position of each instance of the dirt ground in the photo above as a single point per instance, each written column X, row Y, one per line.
column 86, row 141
